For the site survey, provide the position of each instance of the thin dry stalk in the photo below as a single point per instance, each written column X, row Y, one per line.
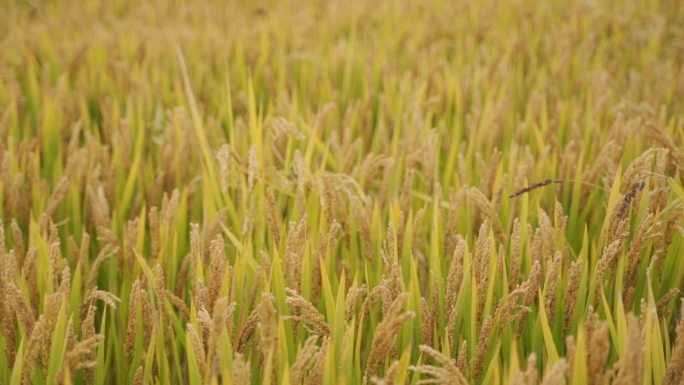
column 534, row 186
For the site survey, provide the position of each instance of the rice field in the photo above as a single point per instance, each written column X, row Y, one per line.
column 341, row 192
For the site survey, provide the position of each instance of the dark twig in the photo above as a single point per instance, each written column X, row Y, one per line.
column 624, row 206
column 534, row 186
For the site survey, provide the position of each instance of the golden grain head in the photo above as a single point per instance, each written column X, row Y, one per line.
column 389, row 192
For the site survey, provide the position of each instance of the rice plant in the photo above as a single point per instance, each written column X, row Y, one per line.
column 341, row 192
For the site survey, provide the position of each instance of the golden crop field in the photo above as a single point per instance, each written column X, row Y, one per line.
column 341, row 192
